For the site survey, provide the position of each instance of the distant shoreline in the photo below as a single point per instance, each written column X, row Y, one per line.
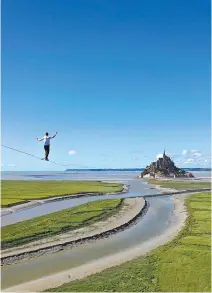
column 132, row 169
column 103, row 170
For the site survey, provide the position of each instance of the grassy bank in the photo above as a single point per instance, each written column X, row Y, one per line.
column 180, row 185
column 182, row 265
column 58, row 222
column 15, row 192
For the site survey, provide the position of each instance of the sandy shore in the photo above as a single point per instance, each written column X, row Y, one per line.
column 80, row 272
column 131, row 209
column 200, row 179
column 166, row 190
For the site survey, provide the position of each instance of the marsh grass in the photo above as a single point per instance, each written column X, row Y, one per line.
column 58, row 222
column 20, row 191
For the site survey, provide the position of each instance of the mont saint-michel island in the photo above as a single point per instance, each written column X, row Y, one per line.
column 164, row 167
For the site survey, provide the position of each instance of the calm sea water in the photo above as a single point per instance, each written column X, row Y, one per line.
column 71, row 175
column 83, row 175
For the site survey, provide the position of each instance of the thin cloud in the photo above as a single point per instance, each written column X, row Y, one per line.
column 11, row 165
column 187, row 162
column 192, row 161
column 195, row 157
column 192, row 153
column 184, row 152
column 196, row 154
column 72, row 152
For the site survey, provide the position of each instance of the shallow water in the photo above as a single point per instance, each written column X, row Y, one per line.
column 152, row 224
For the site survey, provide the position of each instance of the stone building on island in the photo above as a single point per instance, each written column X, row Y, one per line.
column 164, row 167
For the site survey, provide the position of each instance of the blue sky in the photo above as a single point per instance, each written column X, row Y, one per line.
column 119, row 81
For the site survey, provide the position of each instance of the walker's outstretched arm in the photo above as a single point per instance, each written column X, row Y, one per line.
column 54, row 135
column 40, row 139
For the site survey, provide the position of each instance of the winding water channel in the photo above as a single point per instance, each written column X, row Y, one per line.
column 156, row 220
